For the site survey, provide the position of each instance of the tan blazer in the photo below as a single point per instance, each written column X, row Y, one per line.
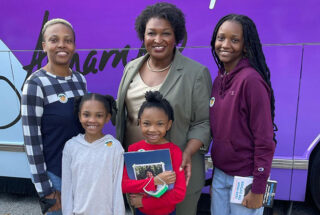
column 188, row 89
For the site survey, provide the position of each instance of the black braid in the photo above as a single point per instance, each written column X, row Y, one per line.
column 76, row 104
column 112, row 105
column 253, row 52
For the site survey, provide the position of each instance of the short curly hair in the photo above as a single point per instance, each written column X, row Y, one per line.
column 57, row 21
column 165, row 11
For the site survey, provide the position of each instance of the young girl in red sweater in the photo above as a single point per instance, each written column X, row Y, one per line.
column 155, row 119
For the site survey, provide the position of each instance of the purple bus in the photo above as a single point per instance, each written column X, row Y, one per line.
column 107, row 41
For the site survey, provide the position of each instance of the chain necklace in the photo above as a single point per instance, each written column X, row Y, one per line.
column 160, row 70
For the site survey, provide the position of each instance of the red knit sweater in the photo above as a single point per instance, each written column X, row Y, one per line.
column 166, row 203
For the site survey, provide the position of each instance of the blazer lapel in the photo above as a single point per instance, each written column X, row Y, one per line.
column 174, row 74
column 130, row 73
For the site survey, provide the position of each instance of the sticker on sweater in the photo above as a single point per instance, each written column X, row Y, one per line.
column 109, row 143
column 212, row 100
column 62, row 98
column 260, row 169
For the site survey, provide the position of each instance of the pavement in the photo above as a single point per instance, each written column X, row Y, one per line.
column 18, row 205
column 11, row 204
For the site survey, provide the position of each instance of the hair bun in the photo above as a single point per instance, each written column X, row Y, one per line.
column 153, row 96
column 154, row 99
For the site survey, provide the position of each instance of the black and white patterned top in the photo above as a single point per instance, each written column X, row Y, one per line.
column 49, row 121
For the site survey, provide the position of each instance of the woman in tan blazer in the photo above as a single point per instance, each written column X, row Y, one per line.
column 185, row 83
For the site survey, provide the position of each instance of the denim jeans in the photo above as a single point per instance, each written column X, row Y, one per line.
column 56, row 183
column 221, row 192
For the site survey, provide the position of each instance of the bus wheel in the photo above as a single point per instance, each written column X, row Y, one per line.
column 315, row 179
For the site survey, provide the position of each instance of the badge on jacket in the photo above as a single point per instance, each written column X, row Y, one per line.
column 108, row 143
column 62, row 98
column 212, row 100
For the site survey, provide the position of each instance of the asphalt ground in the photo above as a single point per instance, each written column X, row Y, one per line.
column 11, row 204
column 279, row 207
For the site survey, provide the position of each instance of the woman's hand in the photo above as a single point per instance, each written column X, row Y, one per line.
column 169, row 177
column 193, row 145
column 57, row 196
column 186, row 165
column 252, row 200
column 136, row 200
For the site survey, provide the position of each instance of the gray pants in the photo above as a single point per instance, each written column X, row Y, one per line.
column 189, row 205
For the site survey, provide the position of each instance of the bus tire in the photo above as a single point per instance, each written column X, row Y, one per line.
column 314, row 187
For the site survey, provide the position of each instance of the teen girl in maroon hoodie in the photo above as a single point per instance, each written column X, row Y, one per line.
column 241, row 115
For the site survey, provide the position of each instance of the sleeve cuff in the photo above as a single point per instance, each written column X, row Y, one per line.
column 259, row 185
column 202, row 133
column 45, row 193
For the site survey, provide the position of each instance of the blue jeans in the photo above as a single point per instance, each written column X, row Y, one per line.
column 221, row 192
column 140, row 213
column 56, row 183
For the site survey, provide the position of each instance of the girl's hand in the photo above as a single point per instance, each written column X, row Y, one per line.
column 252, row 200
column 57, row 196
column 169, row 177
column 136, row 200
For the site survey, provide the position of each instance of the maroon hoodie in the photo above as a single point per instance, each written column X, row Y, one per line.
column 241, row 124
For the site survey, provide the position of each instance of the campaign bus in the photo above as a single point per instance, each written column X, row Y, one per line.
column 106, row 41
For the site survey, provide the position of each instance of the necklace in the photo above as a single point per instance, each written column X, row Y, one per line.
column 160, row 70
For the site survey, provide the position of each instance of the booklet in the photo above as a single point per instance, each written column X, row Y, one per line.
column 147, row 164
column 242, row 186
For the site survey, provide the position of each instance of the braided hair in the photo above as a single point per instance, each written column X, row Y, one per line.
column 108, row 102
column 155, row 99
column 254, row 52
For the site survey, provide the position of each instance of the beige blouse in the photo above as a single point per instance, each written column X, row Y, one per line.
column 133, row 101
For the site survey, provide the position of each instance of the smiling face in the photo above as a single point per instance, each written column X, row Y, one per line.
column 93, row 117
column 59, row 44
column 154, row 124
column 229, row 44
column 149, row 174
column 159, row 39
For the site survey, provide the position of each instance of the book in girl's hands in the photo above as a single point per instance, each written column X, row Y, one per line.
column 144, row 164
column 242, row 186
